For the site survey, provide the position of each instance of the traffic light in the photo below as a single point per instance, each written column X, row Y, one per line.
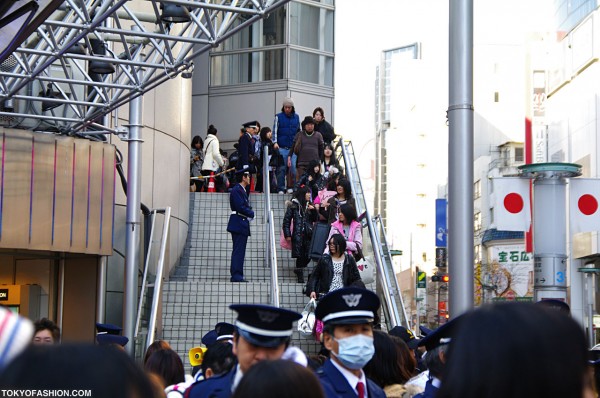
column 440, row 278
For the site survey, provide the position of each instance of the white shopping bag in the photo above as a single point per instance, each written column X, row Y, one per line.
column 307, row 322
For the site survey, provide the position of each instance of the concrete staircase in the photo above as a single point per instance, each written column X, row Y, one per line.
column 198, row 292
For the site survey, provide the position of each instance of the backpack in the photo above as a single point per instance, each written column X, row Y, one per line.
column 233, row 158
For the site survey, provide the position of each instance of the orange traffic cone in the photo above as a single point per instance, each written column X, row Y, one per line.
column 211, row 182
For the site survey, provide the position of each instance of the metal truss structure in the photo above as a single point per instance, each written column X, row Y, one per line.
column 90, row 57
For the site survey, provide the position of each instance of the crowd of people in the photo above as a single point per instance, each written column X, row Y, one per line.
column 292, row 147
column 498, row 350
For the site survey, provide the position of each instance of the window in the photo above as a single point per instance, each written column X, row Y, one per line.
column 477, row 189
column 268, row 32
column 311, row 27
column 496, row 96
column 311, row 68
column 477, row 221
column 519, row 155
column 246, row 67
column 477, row 253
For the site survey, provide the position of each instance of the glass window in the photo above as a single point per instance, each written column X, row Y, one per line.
column 477, row 221
column 311, row 27
column 311, row 68
column 268, row 32
column 247, row 67
column 519, row 155
column 477, row 189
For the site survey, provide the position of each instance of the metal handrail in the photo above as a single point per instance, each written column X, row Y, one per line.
column 159, row 276
column 388, row 254
column 270, row 248
column 384, row 279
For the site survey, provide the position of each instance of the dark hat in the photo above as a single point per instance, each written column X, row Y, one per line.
column 107, row 339
column 425, row 331
column 253, row 124
column 441, row 335
column 107, row 333
column 405, row 334
column 224, row 331
column 264, row 325
column 209, row 338
column 556, row 305
column 107, row 328
column 349, row 305
column 243, row 171
column 308, row 120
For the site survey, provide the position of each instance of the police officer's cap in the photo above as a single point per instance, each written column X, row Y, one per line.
column 107, row 328
column 209, row 338
column 107, row 339
column 440, row 336
column 350, row 305
column 405, row 334
column 425, row 330
column 224, row 331
column 253, row 124
column 264, row 325
column 242, row 171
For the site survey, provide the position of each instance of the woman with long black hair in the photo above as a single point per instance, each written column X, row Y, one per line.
column 302, row 214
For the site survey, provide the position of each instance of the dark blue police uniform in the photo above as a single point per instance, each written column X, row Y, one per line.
column 214, row 387
column 335, row 384
column 346, row 306
column 261, row 326
column 430, row 391
column 239, row 227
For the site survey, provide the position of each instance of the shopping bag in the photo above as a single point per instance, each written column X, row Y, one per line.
column 306, row 324
column 318, row 241
column 284, row 243
column 318, row 331
column 366, row 270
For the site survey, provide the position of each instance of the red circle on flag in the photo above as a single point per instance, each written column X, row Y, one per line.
column 513, row 203
column 587, row 204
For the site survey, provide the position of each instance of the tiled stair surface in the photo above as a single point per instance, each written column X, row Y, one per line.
column 198, row 292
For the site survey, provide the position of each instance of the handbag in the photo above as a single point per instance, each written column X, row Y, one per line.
column 366, row 271
column 318, row 241
column 283, row 242
column 306, row 324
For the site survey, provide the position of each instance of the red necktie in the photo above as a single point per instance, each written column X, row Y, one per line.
column 360, row 387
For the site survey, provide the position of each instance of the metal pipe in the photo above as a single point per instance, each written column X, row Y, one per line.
column 101, row 289
column 158, row 281
column 61, row 291
column 144, row 277
column 460, row 157
column 274, row 278
column 132, row 223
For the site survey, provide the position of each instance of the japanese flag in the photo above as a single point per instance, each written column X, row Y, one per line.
column 511, row 203
column 584, row 214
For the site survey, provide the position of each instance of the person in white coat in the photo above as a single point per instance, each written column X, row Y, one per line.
column 213, row 160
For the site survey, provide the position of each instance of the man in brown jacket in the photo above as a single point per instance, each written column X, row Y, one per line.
column 308, row 145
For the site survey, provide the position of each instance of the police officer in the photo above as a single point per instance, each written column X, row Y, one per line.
column 436, row 344
column 262, row 333
column 347, row 315
column 239, row 225
column 108, row 334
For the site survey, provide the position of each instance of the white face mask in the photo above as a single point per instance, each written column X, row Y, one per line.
column 355, row 351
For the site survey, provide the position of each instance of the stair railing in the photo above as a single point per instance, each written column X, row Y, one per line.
column 157, row 285
column 387, row 285
column 270, row 242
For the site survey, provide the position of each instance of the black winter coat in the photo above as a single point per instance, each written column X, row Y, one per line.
column 302, row 230
column 326, row 131
column 321, row 277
